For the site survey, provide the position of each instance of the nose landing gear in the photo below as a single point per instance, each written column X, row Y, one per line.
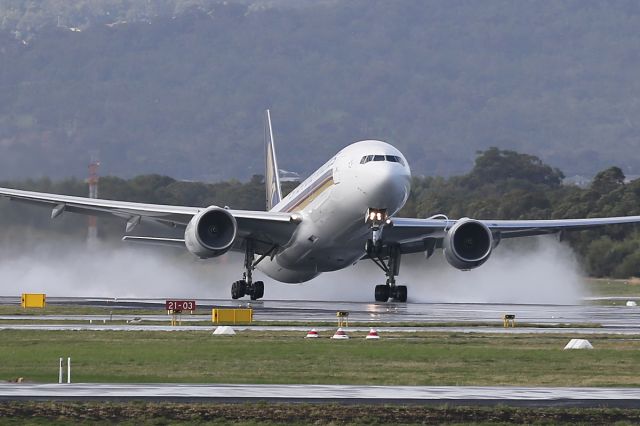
column 378, row 218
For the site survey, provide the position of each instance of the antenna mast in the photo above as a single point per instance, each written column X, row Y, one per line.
column 92, row 231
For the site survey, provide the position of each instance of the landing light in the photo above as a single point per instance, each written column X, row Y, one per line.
column 376, row 216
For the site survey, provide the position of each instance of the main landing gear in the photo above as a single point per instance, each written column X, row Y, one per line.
column 246, row 286
column 391, row 268
column 378, row 219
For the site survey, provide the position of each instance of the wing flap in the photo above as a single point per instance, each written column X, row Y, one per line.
column 170, row 242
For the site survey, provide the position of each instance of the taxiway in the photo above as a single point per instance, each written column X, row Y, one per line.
column 467, row 395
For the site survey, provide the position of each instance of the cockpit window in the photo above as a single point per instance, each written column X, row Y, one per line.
column 395, row 159
column 389, row 158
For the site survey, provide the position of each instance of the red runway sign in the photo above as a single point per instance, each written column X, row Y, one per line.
column 180, row 305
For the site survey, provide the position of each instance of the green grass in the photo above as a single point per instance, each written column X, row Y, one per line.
column 285, row 357
column 612, row 287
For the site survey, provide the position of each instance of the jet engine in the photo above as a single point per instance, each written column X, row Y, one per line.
column 468, row 244
column 211, row 232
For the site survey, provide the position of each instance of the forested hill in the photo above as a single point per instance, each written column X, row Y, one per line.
column 178, row 87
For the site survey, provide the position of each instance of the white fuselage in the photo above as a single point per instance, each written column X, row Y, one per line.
column 333, row 203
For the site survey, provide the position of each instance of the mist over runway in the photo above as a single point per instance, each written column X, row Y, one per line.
column 538, row 271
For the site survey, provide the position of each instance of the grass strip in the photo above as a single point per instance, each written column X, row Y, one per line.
column 420, row 358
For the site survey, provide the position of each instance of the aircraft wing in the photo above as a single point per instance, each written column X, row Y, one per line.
column 267, row 228
column 417, row 235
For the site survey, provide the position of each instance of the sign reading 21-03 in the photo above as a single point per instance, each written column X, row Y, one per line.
column 180, row 305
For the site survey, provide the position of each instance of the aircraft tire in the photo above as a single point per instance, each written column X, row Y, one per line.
column 382, row 293
column 234, row 290
column 238, row 289
column 258, row 290
column 400, row 293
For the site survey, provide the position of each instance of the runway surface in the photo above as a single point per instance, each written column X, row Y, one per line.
column 326, row 331
column 467, row 395
column 591, row 318
column 386, row 317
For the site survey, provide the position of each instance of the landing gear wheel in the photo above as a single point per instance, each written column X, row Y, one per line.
column 238, row 289
column 234, row 290
column 400, row 293
column 257, row 291
column 382, row 293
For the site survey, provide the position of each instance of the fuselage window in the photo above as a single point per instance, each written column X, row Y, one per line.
column 364, row 160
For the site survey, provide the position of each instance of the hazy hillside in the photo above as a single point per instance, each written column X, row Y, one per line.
column 178, row 87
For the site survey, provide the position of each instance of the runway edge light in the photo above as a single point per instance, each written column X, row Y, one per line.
column 340, row 335
column 312, row 334
column 373, row 334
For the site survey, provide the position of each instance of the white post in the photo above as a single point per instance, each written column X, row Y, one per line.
column 60, row 371
column 69, row 370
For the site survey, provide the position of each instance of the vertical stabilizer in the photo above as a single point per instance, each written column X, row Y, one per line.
column 271, row 175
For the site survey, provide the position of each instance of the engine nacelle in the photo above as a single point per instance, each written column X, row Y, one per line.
column 211, row 232
column 468, row 244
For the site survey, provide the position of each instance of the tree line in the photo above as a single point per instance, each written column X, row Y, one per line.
column 503, row 184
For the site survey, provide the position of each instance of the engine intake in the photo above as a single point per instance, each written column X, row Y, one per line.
column 468, row 244
column 211, row 232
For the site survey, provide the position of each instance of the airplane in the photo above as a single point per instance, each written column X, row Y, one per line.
column 341, row 214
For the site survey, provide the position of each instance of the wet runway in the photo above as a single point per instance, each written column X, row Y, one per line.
column 358, row 332
column 610, row 317
column 386, row 317
column 467, row 395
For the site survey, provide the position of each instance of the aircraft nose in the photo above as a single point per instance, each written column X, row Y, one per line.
column 388, row 186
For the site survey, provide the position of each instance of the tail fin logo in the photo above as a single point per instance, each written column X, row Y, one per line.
column 271, row 175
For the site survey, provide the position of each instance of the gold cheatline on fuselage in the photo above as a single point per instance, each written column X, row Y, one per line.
column 305, row 201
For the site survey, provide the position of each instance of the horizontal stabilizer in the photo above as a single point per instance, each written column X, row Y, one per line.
column 170, row 242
